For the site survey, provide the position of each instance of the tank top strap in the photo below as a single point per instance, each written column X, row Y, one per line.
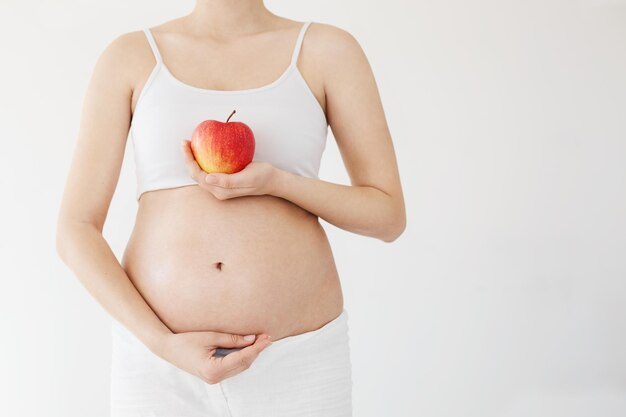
column 296, row 50
column 153, row 45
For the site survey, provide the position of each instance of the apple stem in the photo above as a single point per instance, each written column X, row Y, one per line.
column 231, row 115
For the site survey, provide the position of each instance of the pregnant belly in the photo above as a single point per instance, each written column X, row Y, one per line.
column 254, row 264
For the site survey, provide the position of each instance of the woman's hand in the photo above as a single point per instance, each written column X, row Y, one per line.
column 257, row 178
column 193, row 353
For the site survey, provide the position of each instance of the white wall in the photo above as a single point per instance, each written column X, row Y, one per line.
column 505, row 295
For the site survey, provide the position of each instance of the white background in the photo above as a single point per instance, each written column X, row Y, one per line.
column 506, row 294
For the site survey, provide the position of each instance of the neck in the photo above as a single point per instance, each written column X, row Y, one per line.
column 229, row 18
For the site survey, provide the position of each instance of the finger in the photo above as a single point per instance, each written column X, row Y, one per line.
column 236, row 182
column 219, row 180
column 186, row 148
column 238, row 361
column 239, row 179
column 228, row 340
column 218, row 192
column 227, row 193
column 190, row 162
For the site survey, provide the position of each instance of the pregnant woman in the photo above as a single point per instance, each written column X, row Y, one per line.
column 210, row 262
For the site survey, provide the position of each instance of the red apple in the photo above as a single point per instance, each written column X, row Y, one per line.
column 226, row 147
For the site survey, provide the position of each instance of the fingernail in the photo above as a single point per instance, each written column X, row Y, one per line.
column 182, row 143
column 248, row 338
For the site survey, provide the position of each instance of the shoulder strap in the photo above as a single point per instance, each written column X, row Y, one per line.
column 296, row 50
column 153, row 45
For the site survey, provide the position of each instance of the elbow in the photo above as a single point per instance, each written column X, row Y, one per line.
column 69, row 234
column 395, row 230
column 396, row 221
column 62, row 240
column 391, row 237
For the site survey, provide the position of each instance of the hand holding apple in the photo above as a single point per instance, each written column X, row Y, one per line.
column 257, row 178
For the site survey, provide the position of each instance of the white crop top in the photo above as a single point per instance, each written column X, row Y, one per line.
column 289, row 125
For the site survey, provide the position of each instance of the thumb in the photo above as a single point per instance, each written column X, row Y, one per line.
column 230, row 340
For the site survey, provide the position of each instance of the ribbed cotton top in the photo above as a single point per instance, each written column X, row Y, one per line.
column 289, row 125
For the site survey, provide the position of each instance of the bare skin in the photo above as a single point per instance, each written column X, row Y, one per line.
column 245, row 254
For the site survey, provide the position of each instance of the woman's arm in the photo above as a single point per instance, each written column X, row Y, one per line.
column 362, row 209
column 373, row 205
column 91, row 182
column 83, row 249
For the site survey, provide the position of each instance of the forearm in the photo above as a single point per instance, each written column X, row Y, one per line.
column 85, row 251
column 359, row 209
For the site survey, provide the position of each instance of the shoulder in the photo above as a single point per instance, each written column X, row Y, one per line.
column 331, row 35
column 124, row 46
column 335, row 49
column 338, row 55
column 332, row 43
column 125, row 56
